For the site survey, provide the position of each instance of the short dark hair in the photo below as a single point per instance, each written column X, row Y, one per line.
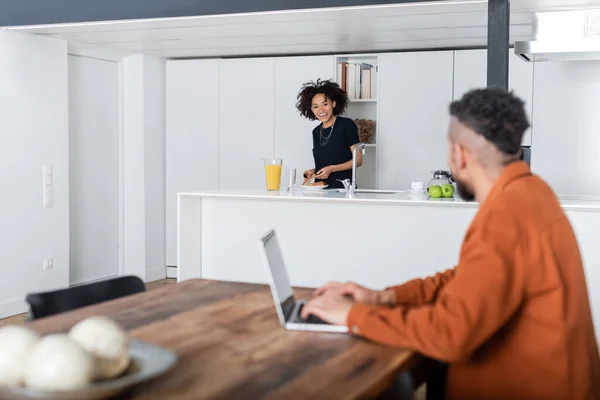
column 496, row 114
column 330, row 89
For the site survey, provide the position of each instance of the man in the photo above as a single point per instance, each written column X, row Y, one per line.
column 513, row 318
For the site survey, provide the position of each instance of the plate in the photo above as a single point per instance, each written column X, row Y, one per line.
column 147, row 361
column 314, row 187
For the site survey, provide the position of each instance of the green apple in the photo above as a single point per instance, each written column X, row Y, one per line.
column 435, row 191
column 447, row 190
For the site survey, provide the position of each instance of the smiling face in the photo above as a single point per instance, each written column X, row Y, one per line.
column 322, row 108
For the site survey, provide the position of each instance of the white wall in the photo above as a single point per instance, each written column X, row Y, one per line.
column 144, row 166
column 33, row 133
column 154, row 157
column 566, row 126
column 134, row 197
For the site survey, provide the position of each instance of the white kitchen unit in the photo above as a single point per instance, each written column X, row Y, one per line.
column 415, row 90
column 470, row 72
column 375, row 239
column 293, row 133
column 246, row 121
column 567, row 126
column 192, row 136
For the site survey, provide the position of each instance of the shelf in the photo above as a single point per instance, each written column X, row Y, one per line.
column 370, row 145
column 362, row 100
column 360, row 57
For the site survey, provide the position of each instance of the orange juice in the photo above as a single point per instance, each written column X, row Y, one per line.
column 273, row 173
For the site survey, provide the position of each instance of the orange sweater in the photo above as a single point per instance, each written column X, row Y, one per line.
column 513, row 318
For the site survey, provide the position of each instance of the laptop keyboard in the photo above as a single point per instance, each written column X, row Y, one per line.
column 311, row 318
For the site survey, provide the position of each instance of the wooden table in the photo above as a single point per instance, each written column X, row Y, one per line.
column 231, row 346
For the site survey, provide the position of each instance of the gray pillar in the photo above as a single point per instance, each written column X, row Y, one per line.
column 497, row 48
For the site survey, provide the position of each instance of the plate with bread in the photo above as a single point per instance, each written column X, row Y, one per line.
column 312, row 184
column 95, row 360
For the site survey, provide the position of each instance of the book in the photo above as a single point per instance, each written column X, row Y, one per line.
column 358, row 80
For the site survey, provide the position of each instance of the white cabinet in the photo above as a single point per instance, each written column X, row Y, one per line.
column 246, row 121
column 470, row 72
column 192, row 135
column 414, row 92
column 293, row 133
column 567, row 126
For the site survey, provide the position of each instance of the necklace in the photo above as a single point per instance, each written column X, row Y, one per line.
column 325, row 140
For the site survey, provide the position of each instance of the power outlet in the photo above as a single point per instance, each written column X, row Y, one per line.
column 48, row 263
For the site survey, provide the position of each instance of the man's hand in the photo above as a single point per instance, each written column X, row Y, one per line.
column 330, row 307
column 359, row 294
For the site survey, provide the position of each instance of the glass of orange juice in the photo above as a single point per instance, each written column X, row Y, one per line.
column 273, row 172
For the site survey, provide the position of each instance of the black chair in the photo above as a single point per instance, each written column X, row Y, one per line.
column 436, row 382
column 49, row 303
column 402, row 389
column 425, row 370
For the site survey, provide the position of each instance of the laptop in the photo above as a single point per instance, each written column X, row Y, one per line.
column 288, row 309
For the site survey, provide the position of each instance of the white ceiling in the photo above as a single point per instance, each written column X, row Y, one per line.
column 448, row 23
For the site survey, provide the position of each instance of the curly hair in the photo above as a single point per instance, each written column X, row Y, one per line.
column 330, row 89
column 496, row 114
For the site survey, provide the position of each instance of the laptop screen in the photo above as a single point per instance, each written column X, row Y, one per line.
column 280, row 283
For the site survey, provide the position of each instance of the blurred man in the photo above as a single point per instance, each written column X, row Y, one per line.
column 513, row 318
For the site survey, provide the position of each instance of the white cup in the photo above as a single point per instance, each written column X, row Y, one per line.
column 416, row 185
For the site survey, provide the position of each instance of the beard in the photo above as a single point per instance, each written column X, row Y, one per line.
column 464, row 191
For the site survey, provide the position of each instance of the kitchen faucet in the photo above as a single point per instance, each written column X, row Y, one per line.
column 351, row 186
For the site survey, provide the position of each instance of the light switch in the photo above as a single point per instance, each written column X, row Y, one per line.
column 47, row 187
column 48, row 201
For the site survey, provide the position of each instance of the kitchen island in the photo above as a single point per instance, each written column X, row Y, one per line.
column 377, row 238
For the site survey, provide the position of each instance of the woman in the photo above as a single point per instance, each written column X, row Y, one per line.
column 335, row 137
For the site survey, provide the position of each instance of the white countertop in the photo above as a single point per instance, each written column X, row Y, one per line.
column 398, row 197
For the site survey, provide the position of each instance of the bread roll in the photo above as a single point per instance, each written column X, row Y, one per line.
column 104, row 339
column 58, row 363
column 16, row 344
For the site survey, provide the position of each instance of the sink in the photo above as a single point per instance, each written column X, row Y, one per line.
column 371, row 191
column 375, row 191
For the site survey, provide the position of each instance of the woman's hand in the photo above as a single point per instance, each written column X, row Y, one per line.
column 325, row 172
column 309, row 173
